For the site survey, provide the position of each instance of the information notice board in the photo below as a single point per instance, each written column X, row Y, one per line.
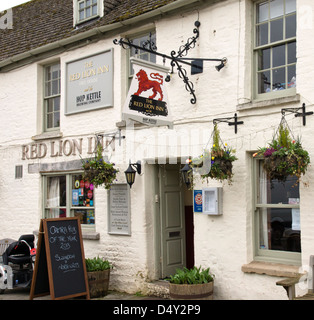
column 119, row 221
column 60, row 268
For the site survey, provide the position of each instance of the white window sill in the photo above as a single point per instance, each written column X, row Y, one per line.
column 271, row 269
column 269, row 102
column 48, row 135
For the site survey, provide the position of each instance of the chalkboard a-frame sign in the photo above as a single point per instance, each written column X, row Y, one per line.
column 60, row 268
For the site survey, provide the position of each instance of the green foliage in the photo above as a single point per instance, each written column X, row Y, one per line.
column 284, row 157
column 221, row 158
column 97, row 264
column 191, row 276
column 99, row 172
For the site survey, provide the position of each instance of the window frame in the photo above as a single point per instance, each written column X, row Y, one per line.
column 69, row 206
column 76, row 11
column 273, row 94
column 47, row 98
column 265, row 255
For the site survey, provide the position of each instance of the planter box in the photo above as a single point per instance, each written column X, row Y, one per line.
column 98, row 282
column 191, row 291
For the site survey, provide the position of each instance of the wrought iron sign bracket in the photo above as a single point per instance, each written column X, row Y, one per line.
column 177, row 58
column 302, row 114
column 233, row 121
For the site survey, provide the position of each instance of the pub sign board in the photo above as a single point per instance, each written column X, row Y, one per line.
column 89, row 83
column 147, row 99
column 60, row 268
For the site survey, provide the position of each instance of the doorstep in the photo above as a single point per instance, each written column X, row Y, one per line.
column 159, row 288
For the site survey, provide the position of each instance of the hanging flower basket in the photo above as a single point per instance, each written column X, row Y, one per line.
column 221, row 157
column 99, row 172
column 284, row 156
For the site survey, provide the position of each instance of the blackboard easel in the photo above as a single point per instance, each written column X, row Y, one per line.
column 60, row 268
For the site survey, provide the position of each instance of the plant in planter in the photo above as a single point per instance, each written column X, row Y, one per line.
column 98, row 274
column 99, row 172
column 284, row 156
column 189, row 284
column 221, row 157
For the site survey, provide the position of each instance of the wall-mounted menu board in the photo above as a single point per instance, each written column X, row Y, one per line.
column 60, row 268
column 119, row 220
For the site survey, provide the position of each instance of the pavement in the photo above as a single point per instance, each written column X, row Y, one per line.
column 24, row 294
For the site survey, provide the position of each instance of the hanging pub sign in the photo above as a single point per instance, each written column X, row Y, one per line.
column 147, row 100
column 89, row 83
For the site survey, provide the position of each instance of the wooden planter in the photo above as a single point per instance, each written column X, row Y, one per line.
column 202, row 291
column 98, row 282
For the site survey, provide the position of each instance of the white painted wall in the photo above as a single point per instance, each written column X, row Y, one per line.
column 223, row 243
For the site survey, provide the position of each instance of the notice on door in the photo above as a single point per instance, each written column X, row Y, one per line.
column 119, row 220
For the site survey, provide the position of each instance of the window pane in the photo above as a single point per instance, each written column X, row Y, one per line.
column 280, row 229
column 56, row 191
column 277, row 192
column 262, row 12
column 292, row 81
column 264, row 82
column 88, row 12
column 50, row 121
column 276, row 8
column 81, row 13
column 83, row 197
column 292, row 52
column 50, row 105
column 263, row 59
column 56, row 120
column 94, row 10
column 290, row 6
column 291, row 26
column 262, row 34
column 56, row 102
column 276, row 30
column 279, row 56
column 55, row 87
column 279, row 79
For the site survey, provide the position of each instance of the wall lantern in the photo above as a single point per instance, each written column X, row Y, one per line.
column 186, row 176
column 130, row 172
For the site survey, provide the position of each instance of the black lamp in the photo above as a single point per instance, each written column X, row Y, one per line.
column 185, row 171
column 130, row 172
column 222, row 64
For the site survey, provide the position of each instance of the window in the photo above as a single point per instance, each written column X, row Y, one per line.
column 69, row 195
column 52, row 93
column 85, row 10
column 277, row 219
column 141, row 54
column 275, row 47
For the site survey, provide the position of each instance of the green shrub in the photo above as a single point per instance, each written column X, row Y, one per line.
column 97, row 264
column 191, row 276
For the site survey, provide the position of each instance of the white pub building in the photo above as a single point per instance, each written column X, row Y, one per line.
column 149, row 81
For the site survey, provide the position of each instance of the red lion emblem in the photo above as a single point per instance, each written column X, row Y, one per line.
column 145, row 84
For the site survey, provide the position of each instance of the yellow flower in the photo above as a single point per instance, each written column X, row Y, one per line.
column 255, row 154
column 214, row 145
column 213, row 158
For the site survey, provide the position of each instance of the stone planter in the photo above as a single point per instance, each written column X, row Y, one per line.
column 202, row 291
column 98, row 282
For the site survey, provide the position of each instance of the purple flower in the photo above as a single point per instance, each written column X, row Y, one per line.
column 269, row 152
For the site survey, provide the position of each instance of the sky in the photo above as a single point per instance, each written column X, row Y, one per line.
column 6, row 4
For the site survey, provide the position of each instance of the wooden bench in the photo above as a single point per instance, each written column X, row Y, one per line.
column 289, row 284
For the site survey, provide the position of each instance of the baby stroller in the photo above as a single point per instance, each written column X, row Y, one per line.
column 17, row 264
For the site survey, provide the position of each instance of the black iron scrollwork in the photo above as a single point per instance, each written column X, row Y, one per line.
column 177, row 58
